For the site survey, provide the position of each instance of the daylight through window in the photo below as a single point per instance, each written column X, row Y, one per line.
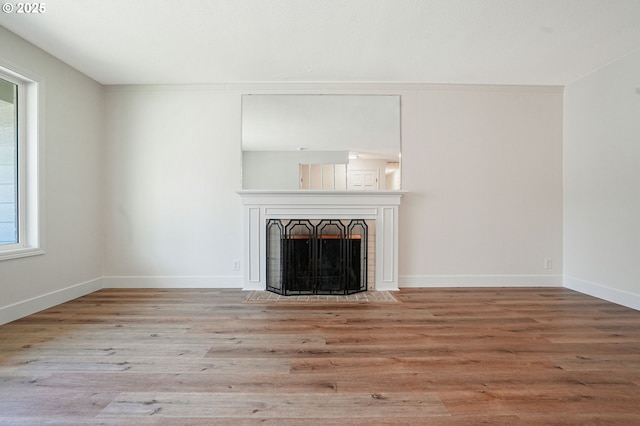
column 8, row 163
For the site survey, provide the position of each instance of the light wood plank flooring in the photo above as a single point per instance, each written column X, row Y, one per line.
column 440, row 357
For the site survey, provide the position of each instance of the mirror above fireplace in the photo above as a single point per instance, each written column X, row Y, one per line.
column 326, row 142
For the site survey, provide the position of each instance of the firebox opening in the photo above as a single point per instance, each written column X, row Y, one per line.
column 325, row 256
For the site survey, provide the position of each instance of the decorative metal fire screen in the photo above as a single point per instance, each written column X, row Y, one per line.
column 316, row 256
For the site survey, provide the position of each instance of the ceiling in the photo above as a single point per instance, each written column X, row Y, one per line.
column 531, row 42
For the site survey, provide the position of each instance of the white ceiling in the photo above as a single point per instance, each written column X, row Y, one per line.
column 537, row 42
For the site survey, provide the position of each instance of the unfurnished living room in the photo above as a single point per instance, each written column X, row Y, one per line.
column 419, row 212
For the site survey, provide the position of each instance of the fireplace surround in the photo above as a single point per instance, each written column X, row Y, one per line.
column 378, row 207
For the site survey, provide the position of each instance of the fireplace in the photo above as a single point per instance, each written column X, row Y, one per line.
column 379, row 209
column 324, row 256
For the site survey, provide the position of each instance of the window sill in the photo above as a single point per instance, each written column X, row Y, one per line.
column 20, row 252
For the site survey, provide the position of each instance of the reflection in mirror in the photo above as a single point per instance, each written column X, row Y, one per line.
column 323, row 176
column 328, row 142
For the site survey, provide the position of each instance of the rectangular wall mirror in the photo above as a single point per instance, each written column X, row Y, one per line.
column 321, row 142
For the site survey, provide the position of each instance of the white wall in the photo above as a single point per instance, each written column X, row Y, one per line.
column 601, row 183
column 172, row 165
column 483, row 167
column 482, row 164
column 72, row 136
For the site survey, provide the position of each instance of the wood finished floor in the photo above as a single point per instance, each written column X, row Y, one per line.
column 440, row 357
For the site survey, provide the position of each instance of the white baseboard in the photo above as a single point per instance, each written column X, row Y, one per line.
column 416, row 281
column 620, row 297
column 36, row 304
column 174, row 282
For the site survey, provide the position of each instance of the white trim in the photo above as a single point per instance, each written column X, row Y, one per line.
column 620, row 297
column 36, row 304
column 31, row 162
column 417, row 281
column 337, row 87
column 207, row 281
column 386, row 286
column 381, row 206
column 20, row 252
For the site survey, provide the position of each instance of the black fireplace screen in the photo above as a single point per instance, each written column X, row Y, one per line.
column 316, row 256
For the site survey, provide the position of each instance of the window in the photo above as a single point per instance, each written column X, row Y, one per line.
column 8, row 163
column 19, row 202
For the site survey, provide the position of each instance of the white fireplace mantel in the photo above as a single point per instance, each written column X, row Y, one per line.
column 261, row 205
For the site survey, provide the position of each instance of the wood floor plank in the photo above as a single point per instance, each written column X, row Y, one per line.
column 208, row 381
column 281, row 405
column 496, row 356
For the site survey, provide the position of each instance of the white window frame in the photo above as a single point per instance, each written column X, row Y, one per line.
column 30, row 230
